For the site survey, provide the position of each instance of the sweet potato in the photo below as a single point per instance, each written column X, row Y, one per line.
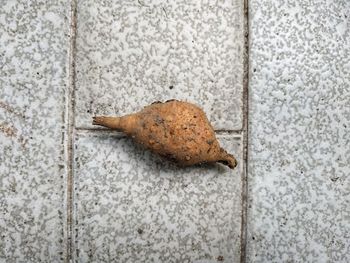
column 176, row 130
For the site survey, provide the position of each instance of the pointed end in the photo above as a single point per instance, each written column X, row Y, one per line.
column 228, row 159
column 97, row 120
column 109, row 122
column 231, row 161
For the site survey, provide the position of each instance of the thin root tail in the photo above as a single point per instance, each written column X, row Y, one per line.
column 98, row 120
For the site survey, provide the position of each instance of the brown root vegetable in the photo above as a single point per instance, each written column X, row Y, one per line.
column 176, row 130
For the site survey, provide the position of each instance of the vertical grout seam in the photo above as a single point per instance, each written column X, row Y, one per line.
column 70, row 123
column 245, row 133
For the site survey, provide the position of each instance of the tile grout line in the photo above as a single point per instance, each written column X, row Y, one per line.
column 237, row 134
column 245, row 134
column 70, row 122
column 218, row 131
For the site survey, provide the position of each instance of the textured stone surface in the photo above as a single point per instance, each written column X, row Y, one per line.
column 33, row 55
column 132, row 53
column 299, row 172
column 131, row 206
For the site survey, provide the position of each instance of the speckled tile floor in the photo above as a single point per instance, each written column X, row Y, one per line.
column 132, row 53
column 299, row 121
column 33, row 78
column 129, row 54
column 151, row 211
column 72, row 193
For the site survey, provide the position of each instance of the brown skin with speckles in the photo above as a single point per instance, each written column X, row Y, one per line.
column 176, row 130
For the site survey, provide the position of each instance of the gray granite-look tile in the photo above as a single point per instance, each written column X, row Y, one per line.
column 33, row 58
column 132, row 206
column 132, row 53
column 299, row 164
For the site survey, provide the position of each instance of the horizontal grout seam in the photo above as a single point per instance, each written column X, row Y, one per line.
column 82, row 131
column 218, row 131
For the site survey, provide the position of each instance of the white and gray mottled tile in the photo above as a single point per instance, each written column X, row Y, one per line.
column 33, row 58
column 132, row 53
column 132, row 206
column 299, row 161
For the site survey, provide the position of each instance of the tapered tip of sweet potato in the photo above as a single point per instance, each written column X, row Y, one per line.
column 105, row 121
column 96, row 120
column 102, row 121
column 228, row 159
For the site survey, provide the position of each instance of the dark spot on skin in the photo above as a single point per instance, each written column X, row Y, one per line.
column 194, row 116
column 253, row 238
column 220, row 258
column 159, row 120
column 210, row 142
column 171, row 87
column 140, row 231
